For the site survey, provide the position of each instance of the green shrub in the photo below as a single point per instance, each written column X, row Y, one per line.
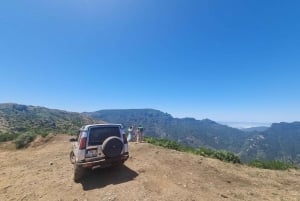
column 205, row 152
column 44, row 134
column 221, row 155
column 218, row 154
column 169, row 144
column 6, row 137
column 226, row 156
column 24, row 139
column 272, row 165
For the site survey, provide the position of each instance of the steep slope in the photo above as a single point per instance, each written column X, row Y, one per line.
column 152, row 173
column 281, row 141
column 188, row 131
column 16, row 118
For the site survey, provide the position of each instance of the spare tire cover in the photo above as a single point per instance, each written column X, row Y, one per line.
column 112, row 146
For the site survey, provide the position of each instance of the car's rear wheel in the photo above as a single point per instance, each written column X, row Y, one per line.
column 72, row 157
column 112, row 146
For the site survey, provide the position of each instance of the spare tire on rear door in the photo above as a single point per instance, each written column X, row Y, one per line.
column 112, row 146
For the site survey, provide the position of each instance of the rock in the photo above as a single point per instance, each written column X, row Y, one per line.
column 51, row 163
column 224, row 196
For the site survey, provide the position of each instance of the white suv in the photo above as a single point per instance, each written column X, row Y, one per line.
column 96, row 146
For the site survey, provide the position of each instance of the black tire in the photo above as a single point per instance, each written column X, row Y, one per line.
column 112, row 147
column 78, row 173
column 72, row 157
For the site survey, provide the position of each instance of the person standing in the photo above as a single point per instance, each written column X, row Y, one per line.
column 139, row 134
column 129, row 137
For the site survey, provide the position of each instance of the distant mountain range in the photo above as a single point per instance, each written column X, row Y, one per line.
column 187, row 131
column 280, row 141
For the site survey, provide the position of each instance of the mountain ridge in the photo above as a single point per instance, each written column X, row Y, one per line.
column 160, row 124
column 279, row 142
column 258, row 144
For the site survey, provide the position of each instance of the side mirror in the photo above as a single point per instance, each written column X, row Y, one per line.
column 72, row 140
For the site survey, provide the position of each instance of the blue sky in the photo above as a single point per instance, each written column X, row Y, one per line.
column 227, row 60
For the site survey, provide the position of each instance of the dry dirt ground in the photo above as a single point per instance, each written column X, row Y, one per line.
column 44, row 172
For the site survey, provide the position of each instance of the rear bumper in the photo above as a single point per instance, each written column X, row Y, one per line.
column 103, row 162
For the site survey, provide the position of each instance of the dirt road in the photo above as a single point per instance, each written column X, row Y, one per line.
column 44, row 172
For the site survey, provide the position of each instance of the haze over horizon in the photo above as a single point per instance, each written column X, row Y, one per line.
column 229, row 61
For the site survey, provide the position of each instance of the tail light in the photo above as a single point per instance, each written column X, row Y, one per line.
column 82, row 144
column 125, row 139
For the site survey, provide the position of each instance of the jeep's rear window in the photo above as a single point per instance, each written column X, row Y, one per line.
column 99, row 134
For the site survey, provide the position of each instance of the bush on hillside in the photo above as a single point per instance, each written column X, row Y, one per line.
column 272, row 165
column 226, row 156
column 221, row 155
column 24, row 139
column 218, row 154
column 44, row 134
column 6, row 137
column 164, row 143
